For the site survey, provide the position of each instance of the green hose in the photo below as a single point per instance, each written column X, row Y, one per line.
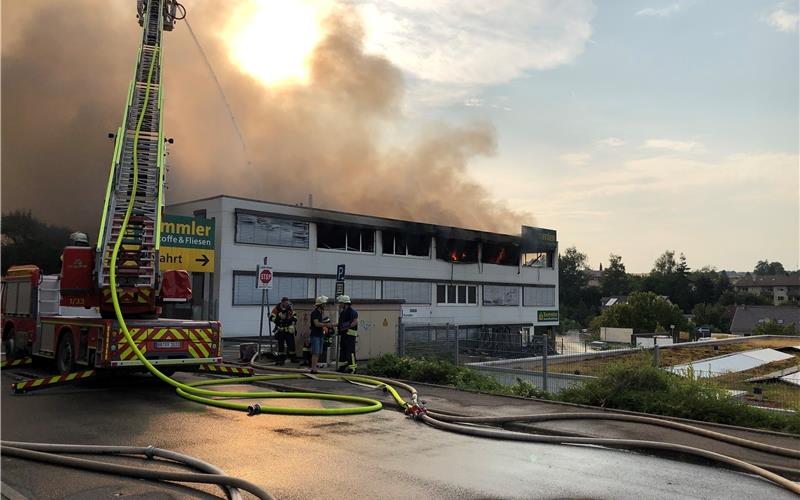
column 216, row 398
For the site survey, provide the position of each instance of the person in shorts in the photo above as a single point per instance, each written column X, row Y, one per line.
column 319, row 322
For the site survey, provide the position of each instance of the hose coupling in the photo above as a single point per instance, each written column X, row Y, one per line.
column 415, row 411
column 150, row 452
column 253, row 409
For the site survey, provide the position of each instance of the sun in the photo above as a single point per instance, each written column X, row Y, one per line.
column 272, row 40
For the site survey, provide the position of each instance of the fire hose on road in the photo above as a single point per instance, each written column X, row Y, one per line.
column 467, row 425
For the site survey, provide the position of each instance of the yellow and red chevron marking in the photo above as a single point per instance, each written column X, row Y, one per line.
column 199, row 345
column 228, row 370
column 12, row 363
column 40, row 383
column 126, row 295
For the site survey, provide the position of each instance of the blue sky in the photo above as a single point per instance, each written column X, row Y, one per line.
column 630, row 127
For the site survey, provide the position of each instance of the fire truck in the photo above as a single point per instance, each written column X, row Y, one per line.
column 69, row 318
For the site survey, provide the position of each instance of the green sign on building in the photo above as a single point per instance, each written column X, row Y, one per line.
column 547, row 315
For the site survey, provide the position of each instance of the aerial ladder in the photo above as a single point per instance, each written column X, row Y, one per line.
column 141, row 133
column 70, row 318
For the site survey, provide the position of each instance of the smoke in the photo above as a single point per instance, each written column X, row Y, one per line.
column 65, row 72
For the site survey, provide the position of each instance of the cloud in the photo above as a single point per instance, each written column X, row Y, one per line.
column 667, row 174
column 448, row 48
column 613, row 142
column 473, row 102
column 576, row 159
column 680, row 146
column 667, row 11
column 783, row 20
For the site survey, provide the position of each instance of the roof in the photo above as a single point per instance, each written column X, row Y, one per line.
column 729, row 363
column 790, row 279
column 747, row 317
column 530, row 239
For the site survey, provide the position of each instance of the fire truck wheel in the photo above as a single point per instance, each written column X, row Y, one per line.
column 65, row 358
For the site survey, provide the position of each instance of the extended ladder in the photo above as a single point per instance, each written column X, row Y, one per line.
column 139, row 140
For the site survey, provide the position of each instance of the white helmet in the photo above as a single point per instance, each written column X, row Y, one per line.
column 343, row 299
column 321, row 300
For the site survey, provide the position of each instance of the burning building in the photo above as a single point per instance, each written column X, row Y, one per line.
column 416, row 272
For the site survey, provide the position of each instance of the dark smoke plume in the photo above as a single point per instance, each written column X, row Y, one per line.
column 65, row 73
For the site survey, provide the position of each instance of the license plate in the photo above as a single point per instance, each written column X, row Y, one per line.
column 167, row 344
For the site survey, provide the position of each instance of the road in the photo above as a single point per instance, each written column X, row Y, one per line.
column 379, row 455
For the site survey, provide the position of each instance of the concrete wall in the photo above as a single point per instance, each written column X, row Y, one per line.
column 244, row 320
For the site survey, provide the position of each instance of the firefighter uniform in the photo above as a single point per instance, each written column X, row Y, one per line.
column 284, row 319
column 348, row 334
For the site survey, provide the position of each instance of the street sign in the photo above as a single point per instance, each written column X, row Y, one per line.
column 340, row 272
column 339, row 288
column 187, row 243
column 264, row 278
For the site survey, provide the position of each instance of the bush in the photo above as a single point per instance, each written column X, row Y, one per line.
column 632, row 384
column 433, row 371
column 636, row 385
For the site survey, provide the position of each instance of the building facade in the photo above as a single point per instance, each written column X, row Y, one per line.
column 782, row 289
column 439, row 274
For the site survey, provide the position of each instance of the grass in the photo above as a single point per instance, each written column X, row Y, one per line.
column 631, row 384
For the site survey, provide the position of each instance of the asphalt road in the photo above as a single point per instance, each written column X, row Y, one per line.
column 379, row 455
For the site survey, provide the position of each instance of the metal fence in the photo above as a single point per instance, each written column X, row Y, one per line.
column 556, row 362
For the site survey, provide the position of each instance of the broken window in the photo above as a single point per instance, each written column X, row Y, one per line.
column 347, row 238
column 399, row 243
column 452, row 250
column 538, row 259
column 503, row 255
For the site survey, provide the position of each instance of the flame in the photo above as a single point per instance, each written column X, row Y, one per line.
column 453, row 255
column 501, row 256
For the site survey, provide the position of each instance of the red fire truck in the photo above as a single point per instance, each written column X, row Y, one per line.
column 36, row 324
column 70, row 318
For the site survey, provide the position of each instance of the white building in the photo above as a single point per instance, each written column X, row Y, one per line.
column 443, row 274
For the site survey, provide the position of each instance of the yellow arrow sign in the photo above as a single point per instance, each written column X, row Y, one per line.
column 194, row 260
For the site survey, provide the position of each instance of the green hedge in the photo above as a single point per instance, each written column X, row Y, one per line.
column 632, row 384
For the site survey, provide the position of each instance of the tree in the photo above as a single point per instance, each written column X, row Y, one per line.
column 767, row 268
column 644, row 312
column 615, row 280
column 715, row 315
column 27, row 240
column 772, row 327
column 572, row 276
column 665, row 263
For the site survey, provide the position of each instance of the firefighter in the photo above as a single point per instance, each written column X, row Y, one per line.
column 348, row 333
column 284, row 319
column 318, row 323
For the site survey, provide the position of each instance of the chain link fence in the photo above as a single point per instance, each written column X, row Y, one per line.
column 556, row 362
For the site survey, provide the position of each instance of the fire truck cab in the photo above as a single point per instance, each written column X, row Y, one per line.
column 35, row 323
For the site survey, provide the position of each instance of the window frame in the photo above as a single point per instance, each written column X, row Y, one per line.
column 346, row 239
column 406, row 255
column 252, row 274
column 519, row 296
column 456, row 288
column 287, row 219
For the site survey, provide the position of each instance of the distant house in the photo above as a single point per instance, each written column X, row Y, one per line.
column 594, row 277
column 748, row 317
column 781, row 289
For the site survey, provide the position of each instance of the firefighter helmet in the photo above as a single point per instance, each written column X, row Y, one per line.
column 343, row 299
column 321, row 300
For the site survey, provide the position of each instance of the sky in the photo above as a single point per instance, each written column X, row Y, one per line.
column 630, row 127
column 639, row 126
